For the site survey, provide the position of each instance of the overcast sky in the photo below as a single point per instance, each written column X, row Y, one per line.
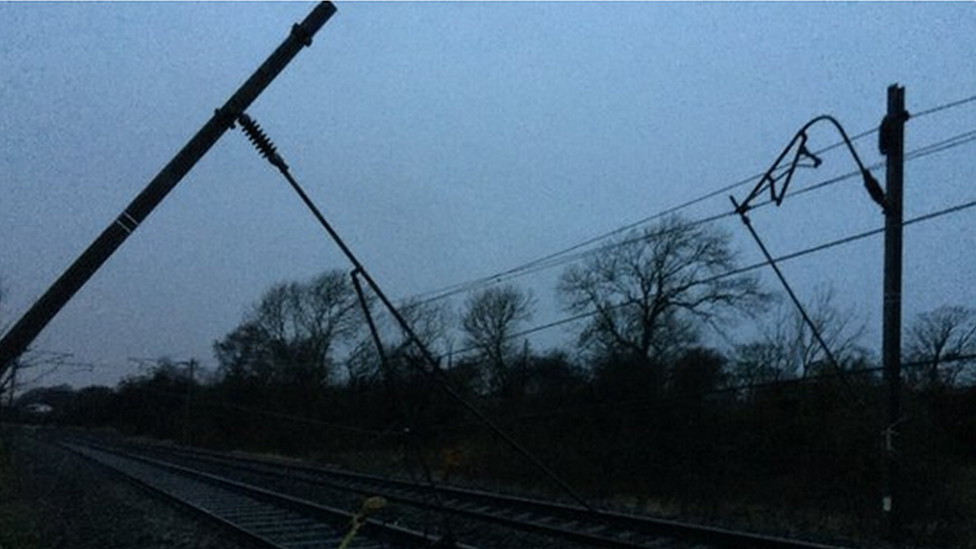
column 450, row 141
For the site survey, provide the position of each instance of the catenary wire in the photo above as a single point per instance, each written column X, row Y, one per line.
column 754, row 266
column 560, row 258
column 944, row 106
column 921, row 152
column 462, row 287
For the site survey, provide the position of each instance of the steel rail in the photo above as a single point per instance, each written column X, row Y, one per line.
column 267, row 517
column 563, row 520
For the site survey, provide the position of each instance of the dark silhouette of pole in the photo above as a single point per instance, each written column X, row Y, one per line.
column 22, row 334
column 892, row 145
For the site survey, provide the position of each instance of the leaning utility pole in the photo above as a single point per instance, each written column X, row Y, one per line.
column 22, row 334
column 892, row 145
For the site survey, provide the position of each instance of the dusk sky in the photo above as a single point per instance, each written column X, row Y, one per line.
column 450, row 141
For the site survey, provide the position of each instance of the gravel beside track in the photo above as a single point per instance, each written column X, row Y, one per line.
column 481, row 520
column 78, row 504
column 467, row 525
column 475, row 532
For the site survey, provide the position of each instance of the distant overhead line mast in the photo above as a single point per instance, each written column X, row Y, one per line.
column 23, row 333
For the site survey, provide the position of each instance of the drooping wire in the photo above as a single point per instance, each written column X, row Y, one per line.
column 744, row 216
column 931, row 149
column 262, row 142
column 266, row 148
column 915, row 154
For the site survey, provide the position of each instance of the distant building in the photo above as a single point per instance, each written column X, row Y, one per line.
column 39, row 409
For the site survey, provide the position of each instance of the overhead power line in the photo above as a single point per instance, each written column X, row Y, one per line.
column 537, row 264
column 932, row 148
column 944, row 106
column 754, row 266
column 565, row 256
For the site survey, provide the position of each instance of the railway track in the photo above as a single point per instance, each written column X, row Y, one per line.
column 560, row 523
column 264, row 517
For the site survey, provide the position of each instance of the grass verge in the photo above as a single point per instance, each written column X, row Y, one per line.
column 18, row 521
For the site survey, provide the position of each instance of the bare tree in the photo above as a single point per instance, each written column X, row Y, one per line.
column 490, row 318
column 945, row 333
column 326, row 311
column 244, row 354
column 651, row 290
column 271, row 313
column 759, row 362
column 291, row 333
column 430, row 322
column 787, row 347
column 840, row 329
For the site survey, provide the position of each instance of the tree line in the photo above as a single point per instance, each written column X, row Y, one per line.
column 640, row 408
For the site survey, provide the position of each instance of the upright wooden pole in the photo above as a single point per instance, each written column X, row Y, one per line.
column 892, row 146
